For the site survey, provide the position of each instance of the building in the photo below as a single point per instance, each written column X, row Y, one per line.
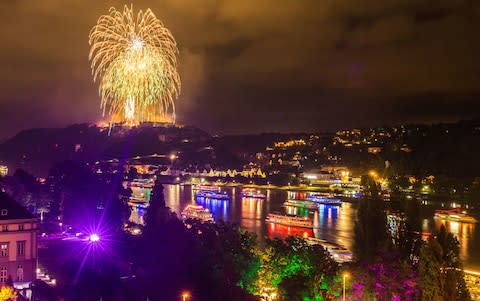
column 374, row 150
column 18, row 243
column 3, row 170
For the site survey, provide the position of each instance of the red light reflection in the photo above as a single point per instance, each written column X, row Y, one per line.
column 282, row 231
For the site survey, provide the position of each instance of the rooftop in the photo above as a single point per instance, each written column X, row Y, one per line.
column 10, row 209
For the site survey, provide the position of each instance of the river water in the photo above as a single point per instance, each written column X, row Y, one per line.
column 331, row 223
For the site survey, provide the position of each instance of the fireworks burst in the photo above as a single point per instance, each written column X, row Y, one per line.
column 134, row 58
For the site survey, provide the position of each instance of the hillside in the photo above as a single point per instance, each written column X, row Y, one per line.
column 36, row 150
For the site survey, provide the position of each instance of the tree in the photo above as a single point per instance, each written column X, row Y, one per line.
column 386, row 278
column 474, row 191
column 370, row 229
column 7, row 293
column 25, row 179
column 77, row 192
column 430, row 279
column 197, row 256
column 132, row 173
column 440, row 269
column 409, row 238
column 164, row 248
column 117, row 210
column 25, row 188
column 157, row 213
column 452, row 268
column 225, row 259
column 295, row 270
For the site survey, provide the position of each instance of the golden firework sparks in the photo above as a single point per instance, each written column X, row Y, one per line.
column 135, row 61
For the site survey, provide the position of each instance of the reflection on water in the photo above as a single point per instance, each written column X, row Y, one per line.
column 296, row 195
column 282, row 231
column 218, row 208
column 251, row 215
column 172, row 193
column 298, row 211
column 464, row 233
column 137, row 214
column 335, row 224
column 332, row 223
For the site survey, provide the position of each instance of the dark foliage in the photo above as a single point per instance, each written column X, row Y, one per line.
column 370, row 230
column 204, row 258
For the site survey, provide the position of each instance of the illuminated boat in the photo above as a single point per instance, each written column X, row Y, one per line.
column 288, row 220
column 252, row 193
column 455, row 215
column 319, row 199
column 142, row 183
column 301, row 204
column 137, row 202
column 206, row 187
column 206, row 194
column 339, row 253
column 197, row 212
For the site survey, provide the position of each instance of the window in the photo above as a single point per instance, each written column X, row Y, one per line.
column 21, row 227
column 3, row 249
column 3, row 274
column 20, row 273
column 21, row 248
column 4, row 212
column 4, row 228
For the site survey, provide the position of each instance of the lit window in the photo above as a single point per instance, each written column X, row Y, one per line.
column 21, row 248
column 3, row 249
column 3, row 274
column 4, row 228
column 20, row 227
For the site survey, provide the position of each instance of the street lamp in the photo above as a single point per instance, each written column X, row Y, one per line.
column 172, row 157
column 345, row 276
column 94, row 237
column 185, row 295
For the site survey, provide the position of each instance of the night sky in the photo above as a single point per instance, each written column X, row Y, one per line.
column 251, row 66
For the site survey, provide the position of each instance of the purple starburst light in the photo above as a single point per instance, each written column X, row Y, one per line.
column 94, row 237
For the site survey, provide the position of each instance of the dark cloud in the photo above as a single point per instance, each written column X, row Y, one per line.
column 257, row 65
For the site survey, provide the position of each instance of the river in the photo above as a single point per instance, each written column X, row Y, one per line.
column 332, row 223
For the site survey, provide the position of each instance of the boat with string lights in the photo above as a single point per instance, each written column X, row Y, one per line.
column 455, row 215
column 137, row 202
column 289, row 220
column 197, row 212
column 252, row 193
column 320, row 199
column 301, row 204
column 142, row 183
column 206, row 194
column 206, row 187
